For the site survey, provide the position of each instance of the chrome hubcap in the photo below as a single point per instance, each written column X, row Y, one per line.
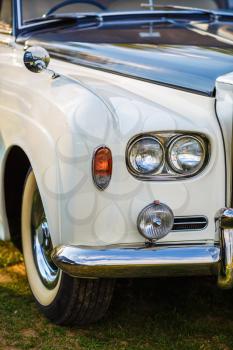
column 42, row 244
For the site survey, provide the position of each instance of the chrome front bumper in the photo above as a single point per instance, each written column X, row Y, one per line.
column 137, row 261
column 157, row 260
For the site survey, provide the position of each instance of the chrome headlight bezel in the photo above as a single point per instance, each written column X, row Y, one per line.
column 166, row 172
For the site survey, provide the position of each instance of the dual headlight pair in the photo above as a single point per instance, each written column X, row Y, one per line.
column 173, row 155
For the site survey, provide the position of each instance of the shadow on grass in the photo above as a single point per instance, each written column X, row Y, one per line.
column 153, row 314
column 187, row 298
column 174, row 313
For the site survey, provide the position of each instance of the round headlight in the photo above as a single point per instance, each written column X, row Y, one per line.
column 146, row 155
column 187, row 154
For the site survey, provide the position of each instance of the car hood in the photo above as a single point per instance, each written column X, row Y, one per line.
column 184, row 57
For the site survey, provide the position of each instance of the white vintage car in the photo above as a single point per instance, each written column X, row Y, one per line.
column 116, row 161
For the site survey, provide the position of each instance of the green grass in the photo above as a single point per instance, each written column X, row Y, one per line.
column 9, row 255
column 155, row 314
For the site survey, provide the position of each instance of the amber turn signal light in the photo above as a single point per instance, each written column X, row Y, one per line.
column 102, row 167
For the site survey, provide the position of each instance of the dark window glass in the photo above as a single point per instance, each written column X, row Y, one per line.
column 5, row 16
column 36, row 8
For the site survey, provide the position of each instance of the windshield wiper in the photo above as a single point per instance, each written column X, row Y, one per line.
column 68, row 17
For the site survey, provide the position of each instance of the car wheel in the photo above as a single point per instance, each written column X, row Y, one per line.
column 63, row 299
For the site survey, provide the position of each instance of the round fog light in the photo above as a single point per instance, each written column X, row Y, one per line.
column 155, row 221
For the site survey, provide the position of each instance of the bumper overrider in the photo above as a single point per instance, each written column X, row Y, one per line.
column 149, row 260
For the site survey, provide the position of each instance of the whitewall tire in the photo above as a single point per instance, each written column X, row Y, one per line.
column 63, row 299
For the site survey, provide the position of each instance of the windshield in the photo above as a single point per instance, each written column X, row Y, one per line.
column 37, row 8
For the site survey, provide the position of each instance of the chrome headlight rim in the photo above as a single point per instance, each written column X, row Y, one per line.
column 129, row 149
column 166, row 173
column 202, row 164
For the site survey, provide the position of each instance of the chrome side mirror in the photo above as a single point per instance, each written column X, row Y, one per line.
column 36, row 59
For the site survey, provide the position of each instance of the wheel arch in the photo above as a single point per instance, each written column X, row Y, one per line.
column 17, row 165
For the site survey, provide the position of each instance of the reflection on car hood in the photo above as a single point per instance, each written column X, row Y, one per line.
column 186, row 57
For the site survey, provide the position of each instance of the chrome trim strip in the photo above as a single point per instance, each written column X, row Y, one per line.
column 224, row 226
column 189, row 223
column 19, row 14
column 140, row 260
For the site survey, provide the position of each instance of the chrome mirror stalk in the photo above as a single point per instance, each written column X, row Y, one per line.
column 36, row 59
column 224, row 226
